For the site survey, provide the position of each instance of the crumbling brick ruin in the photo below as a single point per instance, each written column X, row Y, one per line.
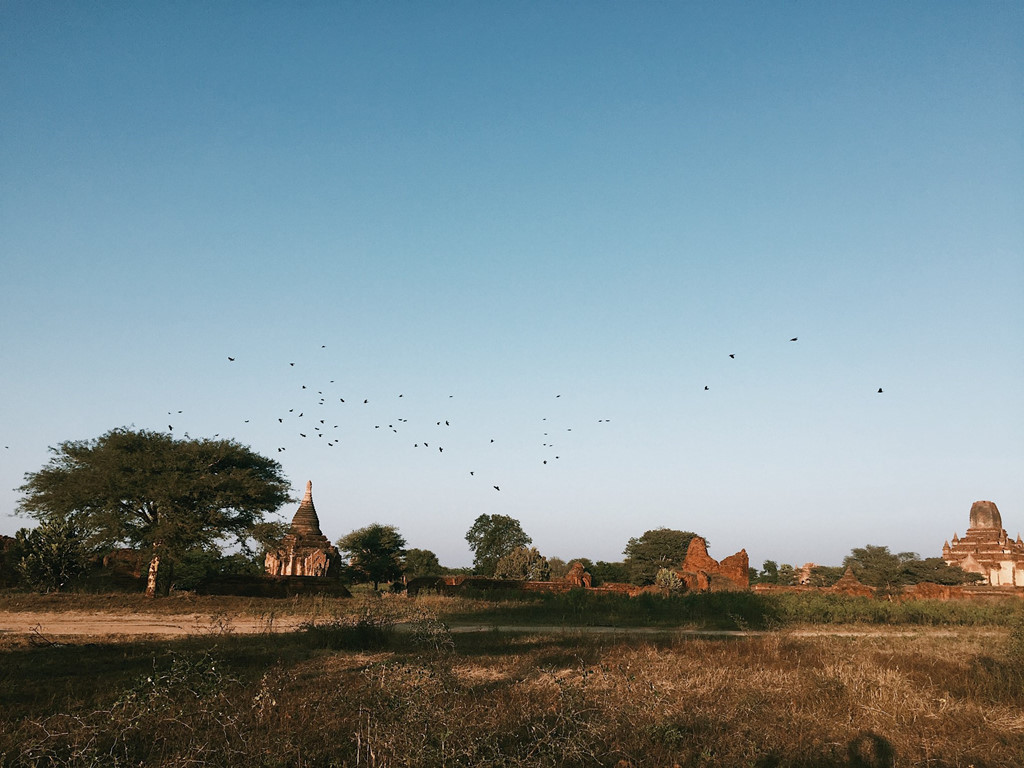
column 702, row 573
column 304, row 551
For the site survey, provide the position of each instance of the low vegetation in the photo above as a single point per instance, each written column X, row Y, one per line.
column 352, row 690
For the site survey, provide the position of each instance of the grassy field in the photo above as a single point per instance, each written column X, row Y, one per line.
column 350, row 690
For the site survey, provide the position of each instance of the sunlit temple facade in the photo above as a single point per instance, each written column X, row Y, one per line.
column 987, row 549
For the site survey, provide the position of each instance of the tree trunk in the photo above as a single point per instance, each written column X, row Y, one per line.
column 154, row 566
column 165, row 583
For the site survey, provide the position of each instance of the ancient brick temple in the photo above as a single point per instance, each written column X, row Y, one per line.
column 986, row 549
column 305, row 551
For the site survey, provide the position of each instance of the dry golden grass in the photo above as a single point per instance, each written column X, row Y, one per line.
column 340, row 695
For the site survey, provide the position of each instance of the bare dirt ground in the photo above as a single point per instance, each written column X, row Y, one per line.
column 97, row 624
column 82, row 624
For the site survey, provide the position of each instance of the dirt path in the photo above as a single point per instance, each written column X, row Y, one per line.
column 93, row 624
column 111, row 625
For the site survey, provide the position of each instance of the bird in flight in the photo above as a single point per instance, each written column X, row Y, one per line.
column 706, row 388
column 879, row 390
column 793, row 339
column 231, row 359
column 733, row 356
column 497, row 488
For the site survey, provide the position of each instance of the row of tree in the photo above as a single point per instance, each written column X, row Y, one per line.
column 872, row 565
column 184, row 501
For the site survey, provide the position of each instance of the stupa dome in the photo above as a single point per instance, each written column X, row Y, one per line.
column 985, row 514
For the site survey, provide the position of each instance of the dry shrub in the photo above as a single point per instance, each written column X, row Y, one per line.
column 493, row 699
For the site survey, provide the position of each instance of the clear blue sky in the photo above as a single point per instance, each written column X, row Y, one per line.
column 527, row 218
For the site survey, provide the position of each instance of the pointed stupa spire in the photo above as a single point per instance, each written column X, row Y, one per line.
column 305, row 522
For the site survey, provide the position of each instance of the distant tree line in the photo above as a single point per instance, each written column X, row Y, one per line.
column 196, row 509
column 873, row 566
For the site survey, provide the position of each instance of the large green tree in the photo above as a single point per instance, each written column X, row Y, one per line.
column 524, row 563
column 878, row 567
column 374, row 553
column 656, row 549
column 421, row 562
column 152, row 491
column 491, row 537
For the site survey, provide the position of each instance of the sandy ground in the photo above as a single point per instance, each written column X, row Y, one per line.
column 108, row 625
column 91, row 623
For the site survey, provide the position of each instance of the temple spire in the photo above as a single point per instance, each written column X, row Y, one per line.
column 306, row 522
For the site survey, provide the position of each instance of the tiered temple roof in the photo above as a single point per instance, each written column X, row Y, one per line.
column 987, row 549
column 304, row 551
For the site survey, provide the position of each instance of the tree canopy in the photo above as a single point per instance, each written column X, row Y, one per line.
column 374, row 553
column 656, row 549
column 878, row 567
column 491, row 537
column 150, row 490
column 524, row 563
column 421, row 562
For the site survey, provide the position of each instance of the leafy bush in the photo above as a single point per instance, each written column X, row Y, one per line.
column 51, row 555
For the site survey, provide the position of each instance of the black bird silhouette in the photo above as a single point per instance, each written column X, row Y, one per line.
column 733, row 356
column 231, row 359
column 170, row 427
column 246, row 421
column 706, row 388
column 291, row 363
column 280, row 421
column 471, row 473
column 879, row 390
column 301, row 435
column 793, row 339
column 497, row 488
column 365, row 401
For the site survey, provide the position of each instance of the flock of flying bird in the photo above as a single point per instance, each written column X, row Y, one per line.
column 315, row 418
column 312, row 426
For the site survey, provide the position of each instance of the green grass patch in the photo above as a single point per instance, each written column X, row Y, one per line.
column 718, row 610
